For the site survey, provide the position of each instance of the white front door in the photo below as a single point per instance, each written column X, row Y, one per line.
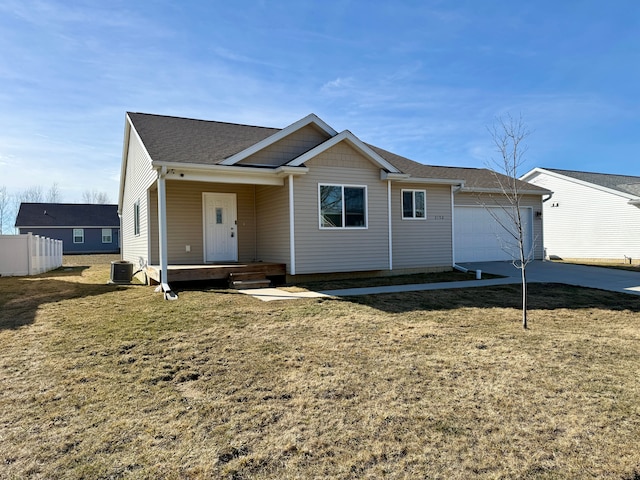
column 220, row 227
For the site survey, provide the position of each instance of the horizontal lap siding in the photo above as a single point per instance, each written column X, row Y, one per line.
column 532, row 201
column 139, row 177
column 423, row 243
column 288, row 148
column 272, row 206
column 587, row 222
column 185, row 220
column 340, row 250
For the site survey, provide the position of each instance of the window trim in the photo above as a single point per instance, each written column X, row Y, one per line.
column 110, row 235
column 75, row 235
column 344, row 226
column 413, row 201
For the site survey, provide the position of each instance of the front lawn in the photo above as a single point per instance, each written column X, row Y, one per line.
column 102, row 381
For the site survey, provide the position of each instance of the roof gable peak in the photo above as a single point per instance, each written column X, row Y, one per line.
column 312, row 118
column 354, row 142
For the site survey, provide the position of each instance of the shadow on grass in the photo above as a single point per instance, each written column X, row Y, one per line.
column 21, row 297
column 542, row 296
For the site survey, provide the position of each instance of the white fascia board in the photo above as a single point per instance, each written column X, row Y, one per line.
column 123, row 164
column 285, row 171
column 540, row 192
column 227, row 173
column 255, row 148
column 532, row 172
column 354, row 142
column 398, row 177
column 406, row 178
column 567, row 178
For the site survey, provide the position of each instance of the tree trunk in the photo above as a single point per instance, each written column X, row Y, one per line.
column 524, row 298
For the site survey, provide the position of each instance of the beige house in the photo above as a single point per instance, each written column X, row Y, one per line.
column 306, row 197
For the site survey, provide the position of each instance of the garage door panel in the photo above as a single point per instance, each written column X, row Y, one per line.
column 479, row 237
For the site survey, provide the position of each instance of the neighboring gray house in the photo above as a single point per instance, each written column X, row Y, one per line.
column 312, row 199
column 590, row 215
column 83, row 228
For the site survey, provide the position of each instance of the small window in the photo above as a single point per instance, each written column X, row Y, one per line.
column 78, row 235
column 107, row 236
column 136, row 218
column 414, row 204
column 343, row 206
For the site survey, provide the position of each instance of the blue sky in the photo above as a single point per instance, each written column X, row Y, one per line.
column 423, row 79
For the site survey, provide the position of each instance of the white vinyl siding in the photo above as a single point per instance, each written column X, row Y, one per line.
column 139, row 177
column 581, row 221
column 425, row 243
column 347, row 249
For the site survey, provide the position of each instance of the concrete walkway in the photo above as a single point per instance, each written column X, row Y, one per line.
column 419, row 287
column 615, row 280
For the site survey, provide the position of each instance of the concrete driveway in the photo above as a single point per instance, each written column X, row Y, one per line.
column 582, row 276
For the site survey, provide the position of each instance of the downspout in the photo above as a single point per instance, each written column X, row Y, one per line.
column 390, row 226
column 292, row 233
column 162, row 235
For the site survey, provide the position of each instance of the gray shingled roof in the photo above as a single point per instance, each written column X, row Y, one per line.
column 474, row 178
column 184, row 140
column 622, row 183
column 67, row 215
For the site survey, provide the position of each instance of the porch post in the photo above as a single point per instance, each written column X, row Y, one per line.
column 390, row 225
column 292, row 233
column 162, row 224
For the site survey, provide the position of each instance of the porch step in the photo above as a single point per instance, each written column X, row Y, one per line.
column 245, row 280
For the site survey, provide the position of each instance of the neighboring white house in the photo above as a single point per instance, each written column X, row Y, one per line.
column 589, row 215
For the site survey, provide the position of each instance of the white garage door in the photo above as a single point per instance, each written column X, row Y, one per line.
column 479, row 237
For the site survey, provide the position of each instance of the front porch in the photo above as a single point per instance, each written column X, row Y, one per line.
column 190, row 273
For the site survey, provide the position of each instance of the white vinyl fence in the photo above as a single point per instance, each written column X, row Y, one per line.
column 28, row 254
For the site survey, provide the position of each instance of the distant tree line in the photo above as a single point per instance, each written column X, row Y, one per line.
column 10, row 204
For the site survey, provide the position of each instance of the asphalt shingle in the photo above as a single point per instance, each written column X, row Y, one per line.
column 622, row 183
column 185, row 140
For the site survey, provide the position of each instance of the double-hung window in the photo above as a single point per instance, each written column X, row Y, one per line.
column 343, row 206
column 107, row 236
column 414, row 206
column 78, row 235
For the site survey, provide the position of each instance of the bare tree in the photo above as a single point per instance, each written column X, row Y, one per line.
column 93, row 196
column 508, row 135
column 6, row 208
column 53, row 195
column 30, row 195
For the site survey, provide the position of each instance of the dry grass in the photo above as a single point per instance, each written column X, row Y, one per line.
column 111, row 382
column 620, row 265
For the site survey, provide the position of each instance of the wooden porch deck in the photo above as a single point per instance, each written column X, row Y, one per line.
column 189, row 273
